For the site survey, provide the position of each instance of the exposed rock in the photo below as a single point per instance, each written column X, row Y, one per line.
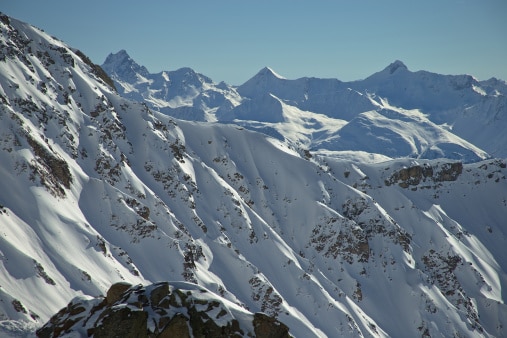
column 159, row 293
column 159, row 310
column 115, row 291
column 176, row 328
column 413, row 176
column 443, row 270
column 122, row 322
column 53, row 172
column 18, row 306
column 62, row 321
column 268, row 327
column 96, row 69
column 449, row 172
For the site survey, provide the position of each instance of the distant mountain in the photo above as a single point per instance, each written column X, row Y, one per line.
column 97, row 189
column 182, row 93
column 422, row 114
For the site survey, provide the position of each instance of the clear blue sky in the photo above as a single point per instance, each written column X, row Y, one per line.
column 231, row 40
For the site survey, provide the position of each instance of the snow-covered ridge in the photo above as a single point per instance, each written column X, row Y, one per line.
column 459, row 116
column 172, row 92
column 97, row 189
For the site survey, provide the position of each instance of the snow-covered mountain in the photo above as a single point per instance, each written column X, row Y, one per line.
column 182, row 93
column 394, row 113
column 96, row 189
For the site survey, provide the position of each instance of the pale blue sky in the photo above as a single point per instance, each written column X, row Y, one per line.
column 231, row 40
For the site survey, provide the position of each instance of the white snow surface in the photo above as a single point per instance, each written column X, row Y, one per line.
column 97, row 189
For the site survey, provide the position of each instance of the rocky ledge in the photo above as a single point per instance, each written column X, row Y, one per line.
column 159, row 310
column 416, row 174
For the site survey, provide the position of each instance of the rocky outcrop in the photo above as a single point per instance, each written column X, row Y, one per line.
column 115, row 292
column 269, row 327
column 160, row 310
column 416, row 174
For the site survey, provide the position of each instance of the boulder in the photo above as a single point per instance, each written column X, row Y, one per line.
column 269, row 327
column 115, row 291
column 122, row 322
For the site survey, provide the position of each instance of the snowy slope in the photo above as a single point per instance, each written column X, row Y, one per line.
column 471, row 109
column 98, row 189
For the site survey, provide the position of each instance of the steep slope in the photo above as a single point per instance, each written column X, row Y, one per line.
column 97, row 189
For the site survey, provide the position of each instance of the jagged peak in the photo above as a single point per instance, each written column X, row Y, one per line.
column 119, row 56
column 122, row 64
column 267, row 71
column 393, row 67
column 264, row 76
column 187, row 74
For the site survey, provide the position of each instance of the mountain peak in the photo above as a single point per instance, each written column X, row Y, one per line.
column 260, row 82
column 122, row 64
column 393, row 67
column 269, row 72
column 119, row 57
column 122, row 52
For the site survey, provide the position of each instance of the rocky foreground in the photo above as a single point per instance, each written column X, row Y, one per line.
column 159, row 310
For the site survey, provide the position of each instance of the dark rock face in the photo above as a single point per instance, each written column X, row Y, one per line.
column 123, row 322
column 414, row 175
column 159, row 310
column 115, row 291
column 62, row 321
column 268, row 327
column 176, row 328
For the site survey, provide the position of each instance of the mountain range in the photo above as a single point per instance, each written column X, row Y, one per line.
column 393, row 113
column 369, row 208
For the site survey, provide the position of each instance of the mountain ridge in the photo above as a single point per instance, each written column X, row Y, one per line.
column 448, row 102
column 98, row 189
